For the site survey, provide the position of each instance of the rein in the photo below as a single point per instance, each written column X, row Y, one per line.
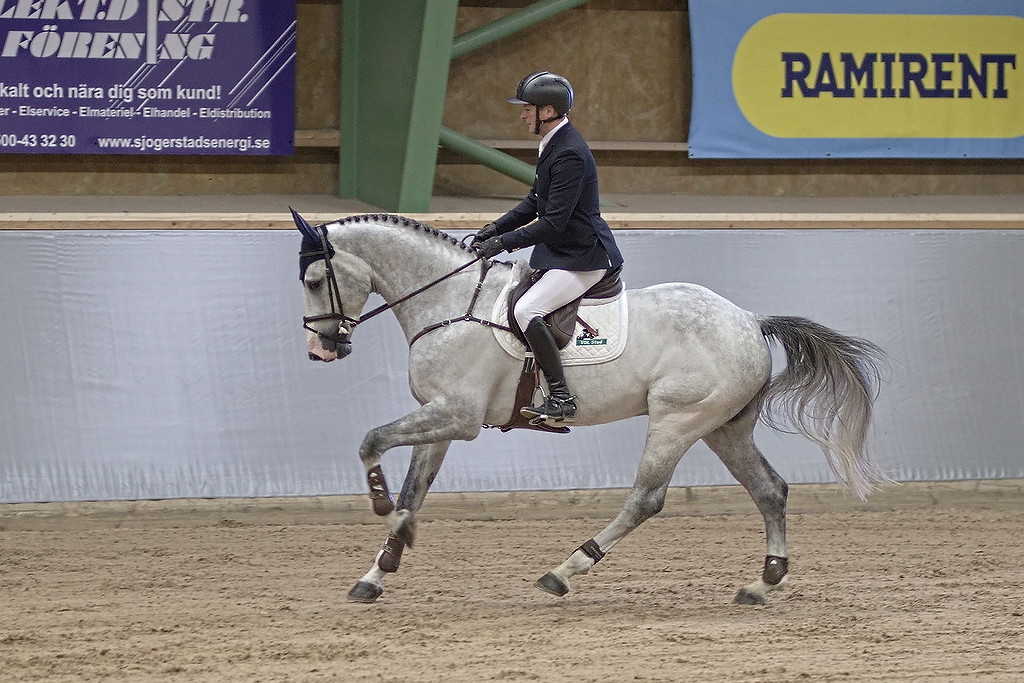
column 337, row 312
column 388, row 306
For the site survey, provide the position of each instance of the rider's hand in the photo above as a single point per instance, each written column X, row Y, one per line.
column 485, row 233
column 491, row 247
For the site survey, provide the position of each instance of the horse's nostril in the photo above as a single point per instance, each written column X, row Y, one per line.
column 313, row 356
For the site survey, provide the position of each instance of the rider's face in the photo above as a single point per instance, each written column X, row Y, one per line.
column 529, row 115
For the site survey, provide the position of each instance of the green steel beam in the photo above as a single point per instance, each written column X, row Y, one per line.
column 509, row 24
column 488, row 156
column 395, row 59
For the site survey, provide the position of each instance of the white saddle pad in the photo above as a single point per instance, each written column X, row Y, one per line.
column 608, row 316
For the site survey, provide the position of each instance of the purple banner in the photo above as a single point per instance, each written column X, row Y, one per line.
column 147, row 77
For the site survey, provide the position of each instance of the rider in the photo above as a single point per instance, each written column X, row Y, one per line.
column 573, row 245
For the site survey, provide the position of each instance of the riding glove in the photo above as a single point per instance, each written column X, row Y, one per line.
column 485, row 233
column 491, row 247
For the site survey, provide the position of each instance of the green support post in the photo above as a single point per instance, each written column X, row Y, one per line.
column 395, row 57
column 394, row 75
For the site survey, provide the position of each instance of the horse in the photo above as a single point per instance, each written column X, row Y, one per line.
column 696, row 364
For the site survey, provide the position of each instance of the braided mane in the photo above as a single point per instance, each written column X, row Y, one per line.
column 404, row 221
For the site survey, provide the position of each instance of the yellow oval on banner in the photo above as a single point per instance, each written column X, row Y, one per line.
column 882, row 76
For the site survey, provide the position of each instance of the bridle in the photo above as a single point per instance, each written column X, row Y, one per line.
column 326, row 252
column 337, row 313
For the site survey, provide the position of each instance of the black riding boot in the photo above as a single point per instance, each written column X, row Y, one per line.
column 560, row 405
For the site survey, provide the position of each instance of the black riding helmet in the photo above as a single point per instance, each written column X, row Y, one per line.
column 543, row 87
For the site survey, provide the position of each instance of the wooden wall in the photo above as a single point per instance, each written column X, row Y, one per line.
column 629, row 62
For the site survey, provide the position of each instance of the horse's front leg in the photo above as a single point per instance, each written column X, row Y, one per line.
column 429, row 430
column 426, row 461
column 434, row 422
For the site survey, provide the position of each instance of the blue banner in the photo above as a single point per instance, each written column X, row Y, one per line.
column 147, row 77
column 857, row 78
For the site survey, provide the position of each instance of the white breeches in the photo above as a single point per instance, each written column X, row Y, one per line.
column 554, row 289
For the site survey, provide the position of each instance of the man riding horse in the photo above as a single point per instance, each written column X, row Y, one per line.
column 573, row 245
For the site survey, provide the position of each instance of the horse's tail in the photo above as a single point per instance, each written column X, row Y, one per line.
column 826, row 392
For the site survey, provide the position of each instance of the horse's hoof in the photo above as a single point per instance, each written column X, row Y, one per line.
column 749, row 597
column 550, row 583
column 365, row 592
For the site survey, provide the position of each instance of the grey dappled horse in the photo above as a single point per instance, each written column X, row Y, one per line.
column 696, row 364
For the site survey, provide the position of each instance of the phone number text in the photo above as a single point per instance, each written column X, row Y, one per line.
column 32, row 141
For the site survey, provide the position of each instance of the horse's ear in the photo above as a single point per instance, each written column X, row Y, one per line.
column 304, row 227
column 315, row 246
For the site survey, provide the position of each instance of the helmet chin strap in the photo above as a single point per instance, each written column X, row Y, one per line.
column 537, row 122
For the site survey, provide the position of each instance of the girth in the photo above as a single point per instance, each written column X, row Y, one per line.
column 562, row 321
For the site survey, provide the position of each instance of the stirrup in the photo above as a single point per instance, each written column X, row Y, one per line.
column 552, row 411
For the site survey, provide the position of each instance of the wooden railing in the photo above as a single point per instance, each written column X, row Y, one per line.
column 329, row 138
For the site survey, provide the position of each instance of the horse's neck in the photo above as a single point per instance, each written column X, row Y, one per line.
column 403, row 260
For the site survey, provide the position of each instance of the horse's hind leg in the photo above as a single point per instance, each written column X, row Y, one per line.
column 734, row 444
column 425, row 463
column 665, row 446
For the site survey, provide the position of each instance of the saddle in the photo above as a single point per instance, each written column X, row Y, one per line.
column 562, row 321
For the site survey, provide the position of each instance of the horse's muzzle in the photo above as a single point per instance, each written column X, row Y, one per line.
column 327, row 355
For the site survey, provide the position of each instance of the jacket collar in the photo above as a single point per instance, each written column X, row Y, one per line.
column 547, row 140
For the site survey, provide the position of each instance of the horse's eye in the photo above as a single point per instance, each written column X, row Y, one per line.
column 314, row 285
